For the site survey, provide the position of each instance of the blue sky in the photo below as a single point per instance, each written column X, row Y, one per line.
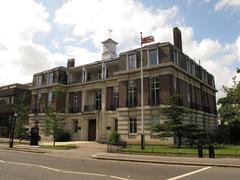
column 42, row 34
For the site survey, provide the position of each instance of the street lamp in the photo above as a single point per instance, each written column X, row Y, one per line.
column 12, row 130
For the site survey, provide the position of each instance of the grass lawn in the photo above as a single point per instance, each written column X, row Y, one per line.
column 59, row 147
column 220, row 150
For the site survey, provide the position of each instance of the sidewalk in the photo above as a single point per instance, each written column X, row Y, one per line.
column 23, row 148
column 218, row 162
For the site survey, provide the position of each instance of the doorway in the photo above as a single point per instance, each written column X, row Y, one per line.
column 92, row 129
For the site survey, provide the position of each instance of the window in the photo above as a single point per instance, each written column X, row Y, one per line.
column 175, row 57
column 155, row 120
column 104, row 71
column 132, row 61
column 98, row 101
column 49, row 98
column 193, row 72
column 39, row 81
column 76, row 101
column 188, row 66
column 153, row 56
column 38, row 101
column 155, row 91
column 132, row 125
column 84, row 75
column 75, row 126
column 116, row 125
column 50, row 78
column 176, row 85
column 132, row 93
column 115, row 97
column 99, row 76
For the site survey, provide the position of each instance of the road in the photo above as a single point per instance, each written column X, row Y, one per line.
column 30, row 166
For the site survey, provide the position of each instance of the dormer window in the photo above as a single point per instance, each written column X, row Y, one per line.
column 131, row 61
column 39, row 81
column 50, row 78
column 153, row 57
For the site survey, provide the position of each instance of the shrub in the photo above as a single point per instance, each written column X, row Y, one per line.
column 63, row 135
column 114, row 138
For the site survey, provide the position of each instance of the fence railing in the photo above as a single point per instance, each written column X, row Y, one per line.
column 217, row 150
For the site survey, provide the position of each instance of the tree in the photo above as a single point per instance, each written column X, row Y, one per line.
column 22, row 108
column 175, row 126
column 53, row 124
column 229, row 110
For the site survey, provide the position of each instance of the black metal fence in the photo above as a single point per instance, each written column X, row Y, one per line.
column 212, row 151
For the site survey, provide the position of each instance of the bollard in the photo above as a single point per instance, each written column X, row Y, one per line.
column 200, row 151
column 211, row 153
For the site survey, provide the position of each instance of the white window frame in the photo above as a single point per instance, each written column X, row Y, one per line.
column 50, row 78
column 155, row 120
column 75, row 124
column 133, row 121
column 116, row 96
column 132, row 90
column 152, row 49
column 135, row 62
column 39, row 80
column 156, row 87
column 104, row 71
column 98, row 98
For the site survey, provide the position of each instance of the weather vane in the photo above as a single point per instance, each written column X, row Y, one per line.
column 110, row 32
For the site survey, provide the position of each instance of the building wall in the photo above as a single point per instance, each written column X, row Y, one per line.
column 175, row 78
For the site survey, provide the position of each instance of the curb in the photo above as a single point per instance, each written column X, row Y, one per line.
column 165, row 162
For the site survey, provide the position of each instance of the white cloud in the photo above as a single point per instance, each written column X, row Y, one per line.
column 221, row 4
column 127, row 18
column 20, row 57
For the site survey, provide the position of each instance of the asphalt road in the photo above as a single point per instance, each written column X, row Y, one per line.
column 29, row 166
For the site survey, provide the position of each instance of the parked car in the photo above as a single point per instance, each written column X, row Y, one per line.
column 26, row 135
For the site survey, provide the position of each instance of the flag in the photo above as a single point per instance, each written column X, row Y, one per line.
column 147, row 39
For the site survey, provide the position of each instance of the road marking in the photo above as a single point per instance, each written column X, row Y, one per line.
column 190, row 173
column 116, row 177
column 49, row 168
column 84, row 173
column 62, row 171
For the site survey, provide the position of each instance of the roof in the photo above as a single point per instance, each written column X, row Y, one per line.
column 109, row 40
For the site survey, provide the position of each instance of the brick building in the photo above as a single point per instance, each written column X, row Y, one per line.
column 104, row 96
column 9, row 97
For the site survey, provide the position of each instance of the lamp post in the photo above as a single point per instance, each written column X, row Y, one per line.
column 12, row 130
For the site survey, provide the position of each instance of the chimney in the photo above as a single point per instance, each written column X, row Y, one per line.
column 177, row 38
column 70, row 63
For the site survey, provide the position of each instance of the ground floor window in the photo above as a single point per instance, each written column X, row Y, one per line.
column 75, row 126
column 132, row 125
column 116, row 125
column 155, row 121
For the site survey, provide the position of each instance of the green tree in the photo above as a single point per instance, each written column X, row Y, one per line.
column 175, row 125
column 53, row 124
column 229, row 110
column 22, row 108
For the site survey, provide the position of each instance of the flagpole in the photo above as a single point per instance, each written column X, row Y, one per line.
column 142, row 110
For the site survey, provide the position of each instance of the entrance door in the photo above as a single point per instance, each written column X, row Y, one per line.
column 92, row 129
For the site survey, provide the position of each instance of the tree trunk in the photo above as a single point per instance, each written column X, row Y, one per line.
column 179, row 142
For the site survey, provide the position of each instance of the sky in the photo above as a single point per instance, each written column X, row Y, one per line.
column 37, row 35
